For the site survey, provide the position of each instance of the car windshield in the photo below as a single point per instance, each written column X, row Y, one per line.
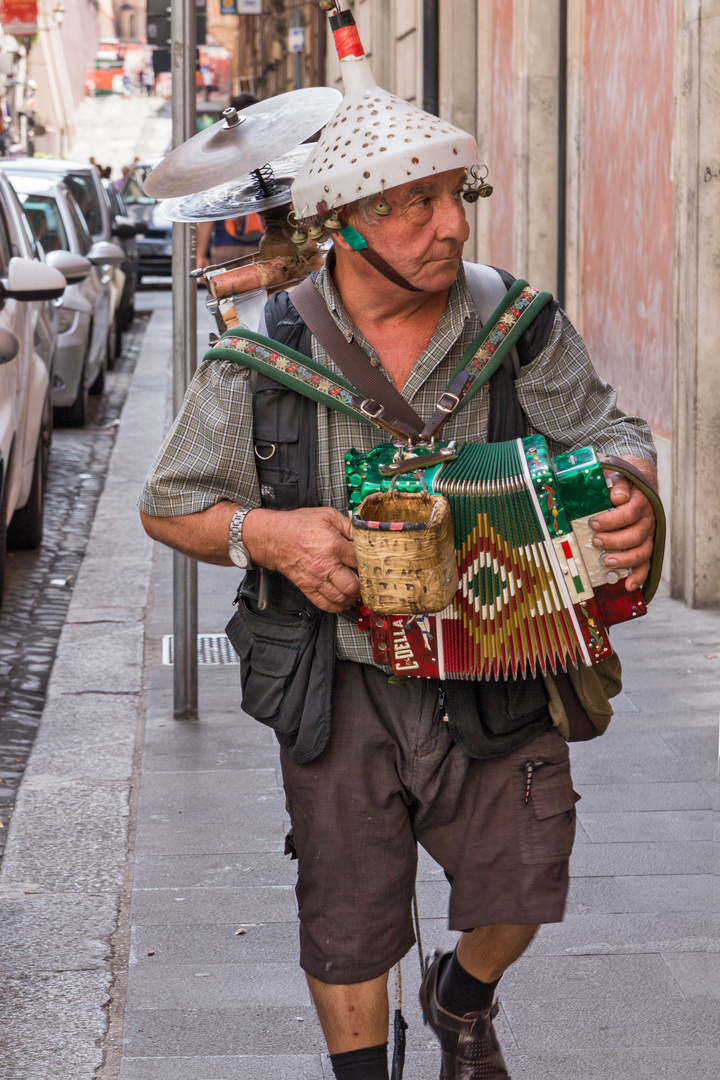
column 132, row 192
column 44, row 216
column 81, row 230
column 86, row 196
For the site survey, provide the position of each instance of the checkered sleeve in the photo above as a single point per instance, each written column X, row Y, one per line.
column 207, row 455
column 566, row 400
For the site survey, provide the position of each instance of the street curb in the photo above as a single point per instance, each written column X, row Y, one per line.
column 68, row 844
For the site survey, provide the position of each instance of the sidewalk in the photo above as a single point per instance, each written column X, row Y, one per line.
column 140, row 845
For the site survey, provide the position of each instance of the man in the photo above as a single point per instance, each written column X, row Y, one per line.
column 388, row 774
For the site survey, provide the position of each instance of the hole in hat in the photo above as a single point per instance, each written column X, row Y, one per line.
column 416, row 161
column 366, row 175
column 455, row 150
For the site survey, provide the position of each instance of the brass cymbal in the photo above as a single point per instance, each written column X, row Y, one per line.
column 241, row 197
column 242, row 142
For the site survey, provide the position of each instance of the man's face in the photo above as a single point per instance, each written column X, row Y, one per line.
column 424, row 235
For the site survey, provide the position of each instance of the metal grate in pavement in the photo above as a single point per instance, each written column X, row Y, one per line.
column 211, row 649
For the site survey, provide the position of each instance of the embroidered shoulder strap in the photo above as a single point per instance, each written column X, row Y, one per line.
column 509, row 321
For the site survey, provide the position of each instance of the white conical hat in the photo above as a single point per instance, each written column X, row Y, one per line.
column 376, row 140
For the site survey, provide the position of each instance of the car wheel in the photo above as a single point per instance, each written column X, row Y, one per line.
column 3, row 531
column 74, row 415
column 26, row 528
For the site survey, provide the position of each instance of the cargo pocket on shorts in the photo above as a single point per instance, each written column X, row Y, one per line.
column 546, row 821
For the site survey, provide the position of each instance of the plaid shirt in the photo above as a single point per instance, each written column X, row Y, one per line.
column 208, row 454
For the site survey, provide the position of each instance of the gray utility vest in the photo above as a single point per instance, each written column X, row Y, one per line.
column 287, row 650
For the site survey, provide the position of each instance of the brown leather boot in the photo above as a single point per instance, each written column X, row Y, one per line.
column 478, row 1055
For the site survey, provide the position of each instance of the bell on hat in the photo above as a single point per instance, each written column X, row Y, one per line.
column 375, row 140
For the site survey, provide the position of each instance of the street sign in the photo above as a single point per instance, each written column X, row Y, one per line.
column 241, row 7
column 19, row 17
column 296, row 39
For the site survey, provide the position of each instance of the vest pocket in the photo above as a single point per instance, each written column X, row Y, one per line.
column 270, row 647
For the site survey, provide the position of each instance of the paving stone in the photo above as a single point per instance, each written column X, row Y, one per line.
column 625, row 1064
column 209, row 790
column 274, row 903
column 102, row 658
column 697, row 975
column 590, row 932
column 221, row 744
column 680, row 892
column 210, row 871
column 246, row 1067
column 192, row 837
column 255, row 984
column 198, row 1032
column 51, row 1024
column 88, row 735
column 68, row 836
column 55, row 931
column 658, row 825
column 593, row 895
column 632, row 1000
column 215, row 944
column 660, row 857
column 599, row 798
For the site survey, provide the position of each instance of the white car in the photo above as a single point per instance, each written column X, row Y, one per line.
column 85, row 185
column 27, row 286
column 86, row 311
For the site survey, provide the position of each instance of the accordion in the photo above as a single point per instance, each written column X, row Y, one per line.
column 534, row 592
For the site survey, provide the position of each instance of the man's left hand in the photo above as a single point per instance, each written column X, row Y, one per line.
column 626, row 532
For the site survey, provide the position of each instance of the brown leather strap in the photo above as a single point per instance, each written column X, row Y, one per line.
column 350, row 358
column 448, row 404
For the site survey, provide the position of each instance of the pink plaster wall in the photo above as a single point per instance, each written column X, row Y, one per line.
column 628, row 201
column 500, row 156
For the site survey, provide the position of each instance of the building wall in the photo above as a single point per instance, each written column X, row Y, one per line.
column 627, row 219
column 500, row 151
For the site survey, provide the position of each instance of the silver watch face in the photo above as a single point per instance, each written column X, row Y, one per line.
column 239, row 555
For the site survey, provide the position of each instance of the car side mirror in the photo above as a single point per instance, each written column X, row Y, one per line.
column 28, row 279
column 74, row 268
column 123, row 228
column 103, row 253
column 9, row 345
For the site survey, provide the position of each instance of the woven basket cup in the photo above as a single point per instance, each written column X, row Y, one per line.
column 405, row 553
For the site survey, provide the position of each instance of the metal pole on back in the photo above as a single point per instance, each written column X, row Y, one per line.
column 182, row 51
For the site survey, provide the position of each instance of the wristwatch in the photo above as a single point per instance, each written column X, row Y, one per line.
column 236, row 549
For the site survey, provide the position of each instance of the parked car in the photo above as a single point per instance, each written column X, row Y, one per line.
column 27, row 340
column 123, row 231
column 85, row 184
column 85, row 311
column 154, row 231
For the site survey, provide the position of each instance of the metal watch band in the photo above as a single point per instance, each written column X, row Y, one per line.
column 236, row 549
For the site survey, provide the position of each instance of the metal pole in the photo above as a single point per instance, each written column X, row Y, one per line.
column 184, row 108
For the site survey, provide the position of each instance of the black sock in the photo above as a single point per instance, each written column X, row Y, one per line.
column 459, row 992
column 369, row 1063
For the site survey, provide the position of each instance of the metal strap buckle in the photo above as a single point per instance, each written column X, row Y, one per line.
column 448, row 396
column 365, row 407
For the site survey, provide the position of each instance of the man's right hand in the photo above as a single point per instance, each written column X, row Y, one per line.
column 311, row 547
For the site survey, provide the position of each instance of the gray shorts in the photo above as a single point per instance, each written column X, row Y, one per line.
column 392, row 777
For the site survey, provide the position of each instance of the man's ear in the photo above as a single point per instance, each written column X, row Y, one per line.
column 341, row 242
